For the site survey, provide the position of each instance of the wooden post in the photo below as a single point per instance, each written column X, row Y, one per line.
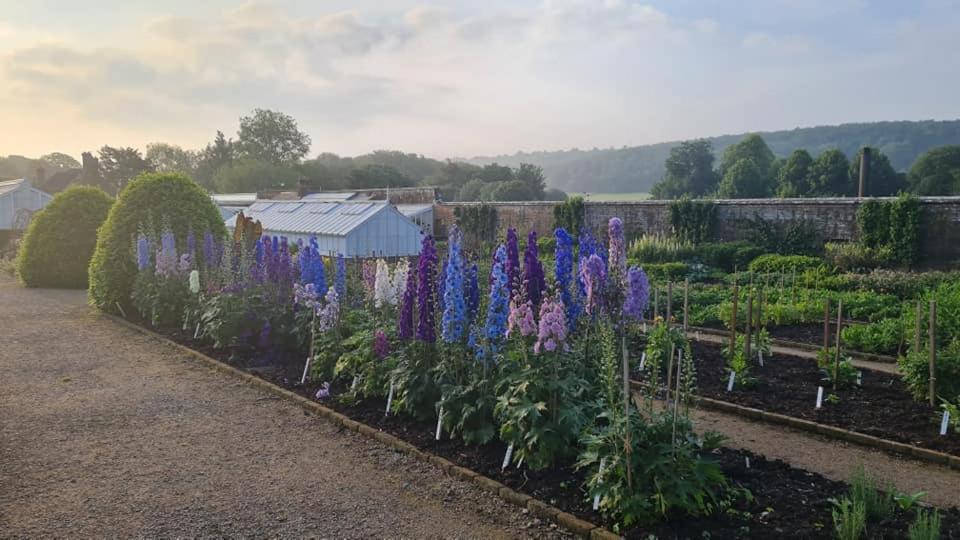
column 916, row 329
column 836, row 356
column 826, row 325
column 759, row 325
column 733, row 320
column 864, row 170
column 749, row 330
column 669, row 301
column 686, row 304
column 933, row 353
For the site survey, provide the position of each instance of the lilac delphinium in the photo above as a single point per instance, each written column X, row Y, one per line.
column 381, row 345
column 617, row 260
column 498, row 308
column 521, row 319
column 454, row 322
column 512, row 262
column 340, row 280
column 426, row 292
column 329, row 313
column 167, row 255
column 323, row 392
column 563, row 269
column 211, row 251
column 534, row 282
column 405, row 324
column 552, row 331
column 305, row 295
column 638, row 293
column 143, row 252
column 593, row 273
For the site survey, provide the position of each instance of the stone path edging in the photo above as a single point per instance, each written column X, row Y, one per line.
column 540, row 509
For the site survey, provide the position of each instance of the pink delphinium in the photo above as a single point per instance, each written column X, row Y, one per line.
column 552, row 334
column 521, row 319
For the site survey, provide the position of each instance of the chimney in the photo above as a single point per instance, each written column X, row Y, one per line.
column 303, row 187
column 864, row 169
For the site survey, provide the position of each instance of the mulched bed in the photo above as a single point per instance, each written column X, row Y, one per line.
column 881, row 406
column 783, row 501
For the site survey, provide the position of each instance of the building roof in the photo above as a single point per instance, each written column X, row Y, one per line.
column 8, row 186
column 234, row 199
column 330, row 196
column 412, row 210
column 333, row 218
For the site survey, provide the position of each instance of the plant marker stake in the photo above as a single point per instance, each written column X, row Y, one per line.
column 439, row 425
column 859, row 378
column 644, row 329
column 596, row 498
column 389, row 400
column 519, row 463
column 819, row 396
column 698, row 335
column 760, row 356
column 643, row 359
column 733, row 375
column 933, row 352
column 306, row 368
column 313, row 335
column 353, row 385
column 944, row 422
column 747, row 459
column 836, row 357
column 196, row 332
column 122, row 312
column 506, row 457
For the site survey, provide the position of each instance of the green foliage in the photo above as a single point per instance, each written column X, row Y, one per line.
column 926, row 526
column 570, row 215
column 271, row 136
column 905, row 229
column 849, row 519
column 937, row 172
column 882, row 337
column 738, row 362
column 249, row 175
column 745, row 180
column 915, row 370
column 225, row 318
column 793, row 238
column 882, row 179
column 660, row 249
column 357, row 362
column 672, row 271
column 162, row 300
column 846, row 372
column 417, row 390
column 58, row 245
column 792, row 176
column 873, row 220
column 688, row 171
column 866, row 489
column 772, row 263
column 728, row 256
column 478, row 223
column 692, row 221
column 828, row 175
column 148, row 204
column 856, row 257
column 751, row 148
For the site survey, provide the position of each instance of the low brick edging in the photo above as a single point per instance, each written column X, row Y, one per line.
column 540, row 509
column 831, row 432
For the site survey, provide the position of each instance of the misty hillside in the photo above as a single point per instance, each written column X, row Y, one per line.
column 636, row 169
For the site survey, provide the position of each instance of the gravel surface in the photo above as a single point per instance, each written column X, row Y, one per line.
column 107, row 433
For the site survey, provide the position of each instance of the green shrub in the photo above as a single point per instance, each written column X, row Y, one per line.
column 882, row 337
column 693, row 221
column 672, row 271
column 873, row 219
column 147, row 204
column 59, row 242
column 855, row 257
column 546, row 245
column 915, row 368
column 905, row 229
column 728, row 256
column 569, row 215
column 771, row 263
column 660, row 249
column 849, row 519
column 875, row 495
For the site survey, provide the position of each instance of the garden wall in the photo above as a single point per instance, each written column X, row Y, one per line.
column 834, row 218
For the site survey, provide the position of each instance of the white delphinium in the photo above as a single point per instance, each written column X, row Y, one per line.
column 382, row 287
column 400, row 274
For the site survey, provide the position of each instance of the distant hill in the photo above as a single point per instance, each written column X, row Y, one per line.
column 637, row 168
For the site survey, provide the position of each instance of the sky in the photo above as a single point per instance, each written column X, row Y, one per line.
column 466, row 78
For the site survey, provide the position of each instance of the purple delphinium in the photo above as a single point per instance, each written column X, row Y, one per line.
column 552, row 330
column 426, row 291
column 381, row 345
column 167, row 255
column 454, row 321
column 211, row 251
column 323, row 392
column 534, row 282
column 593, row 273
column 191, row 245
column 405, row 324
column 617, row 259
column 563, row 269
column 638, row 293
column 329, row 314
column 143, row 252
column 340, row 281
column 512, row 262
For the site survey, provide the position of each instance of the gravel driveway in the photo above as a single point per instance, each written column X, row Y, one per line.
column 106, row 433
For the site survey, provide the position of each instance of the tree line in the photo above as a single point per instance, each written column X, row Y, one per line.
column 749, row 170
column 270, row 152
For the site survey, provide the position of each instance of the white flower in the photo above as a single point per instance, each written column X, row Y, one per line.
column 400, row 274
column 195, row 282
column 382, row 287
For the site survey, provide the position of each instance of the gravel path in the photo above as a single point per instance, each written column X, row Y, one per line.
column 106, row 433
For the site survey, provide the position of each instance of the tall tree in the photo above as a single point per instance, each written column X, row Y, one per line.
column 882, row 179
column 829, row 175
column 59, row 160
column 250, row 175
column 532, row 177
column 792, row 177
column 216, row 155
column 495, row 172
column 119, row 165
column 273, row 137
column 378, row 176
column 744, row 180
column 689, row 171
column 172, row 158
column 937, row 172
column 752, row 147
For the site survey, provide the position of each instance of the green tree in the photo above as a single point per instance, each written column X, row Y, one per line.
column 752, row 147
column 882, row 180
column 554, row 194
column 378, row 176
column 251, row 175
column 792, row 177
column 532, row 176
column 171, row 158
column 273, row 137
column 514, row 190
column 496, row 173
column 488, row 191
column 936, row 172
column 471, row 190
column 689, row 171
column 59, row 160
column 120, row 165
column 829, row 175
column 220, row 153
column 744, row 180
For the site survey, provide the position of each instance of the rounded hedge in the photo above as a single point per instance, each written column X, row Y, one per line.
column 58, row 245
column 149, row 204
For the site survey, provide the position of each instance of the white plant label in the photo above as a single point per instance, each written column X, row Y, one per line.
column 389, row 399
column 698, row 335
column 507, row 456
column 519, row 463
column 196, row 332
column 859, row 378
column 760, row 356
column 353, row 385
column 439, row 423
column 945, row 422
column 747, row 458
column 596, row 498
column 306, row 368
column 733, row 376
column 644, row 329
column 819, row 396
column 643, row 360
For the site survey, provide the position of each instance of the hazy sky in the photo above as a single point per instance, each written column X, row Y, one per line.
column 462, row 78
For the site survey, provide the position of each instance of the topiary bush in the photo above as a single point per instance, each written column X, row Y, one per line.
column 769, row 264
column 56, row 250
column 150, row 203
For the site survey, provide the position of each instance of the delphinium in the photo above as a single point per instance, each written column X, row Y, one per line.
column 617, row 259
column 426, row 292
column 328, row 315
column 472, row 294
column 340, row 280
column 521, row 321
column 638, row 293
column 381, row 345
column 593, row 273
column 534, row 282
column 398, row 281
column 563, row 269
column 453, row 323
column 552, row 329
column 407, row 304
column 512, row 262
column 383, row 294
column 167, row 255
column 143, row 252
column 368, row 269
column 191, row 250
column 495, row 327
column 311, row 266
column 211, row 251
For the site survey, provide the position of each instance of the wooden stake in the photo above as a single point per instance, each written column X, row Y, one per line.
column 676, row 407
column 733, row 320
column 656, row 301
column 836, row 357
column 670, row 369
column 916, row 329
column 626, row 379
column 669, row 301
column 826, row 324
column 749, row 331
column 759, row 325
column 933, row 353
column 686, row 303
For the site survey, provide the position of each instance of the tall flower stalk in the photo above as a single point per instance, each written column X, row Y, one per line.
column 512, row 262
column 638, row 293
column 495, row 326
column 426, row 292
column 405, row 324
column 563, row 270
column 454, row 322
column 534, row 281
column 617, row 259
column 340, row 280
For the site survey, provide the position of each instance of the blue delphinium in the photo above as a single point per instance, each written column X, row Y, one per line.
column 311, row 266
column 453, row 324
column 340, row 281
column 472, row 293
column 211, row 251
column 143, row 252
column 167, row 256
column 563, row 269
column 498, row 309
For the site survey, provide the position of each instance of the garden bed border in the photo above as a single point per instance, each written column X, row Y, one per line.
column 540, row 509
column 808, row 347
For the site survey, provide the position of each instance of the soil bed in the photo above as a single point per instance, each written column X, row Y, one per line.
column 882, row 406
column 807, row 334
column 783, row 501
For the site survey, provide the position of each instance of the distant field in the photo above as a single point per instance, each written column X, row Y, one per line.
column 612, row 197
